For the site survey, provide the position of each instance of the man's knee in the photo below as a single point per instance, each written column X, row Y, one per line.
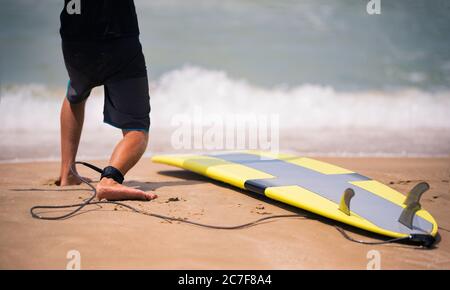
column 139, row 135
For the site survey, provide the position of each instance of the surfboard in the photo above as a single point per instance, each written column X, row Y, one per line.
column 319, row 187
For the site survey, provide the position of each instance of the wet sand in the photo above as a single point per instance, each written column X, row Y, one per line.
column 113, row 237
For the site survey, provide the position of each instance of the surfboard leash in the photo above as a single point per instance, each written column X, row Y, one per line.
column 423, row 241
column 89, row 201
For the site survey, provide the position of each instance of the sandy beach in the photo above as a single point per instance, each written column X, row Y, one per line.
column 113, row 237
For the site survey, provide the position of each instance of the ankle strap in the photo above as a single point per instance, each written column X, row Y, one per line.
column 114, row 173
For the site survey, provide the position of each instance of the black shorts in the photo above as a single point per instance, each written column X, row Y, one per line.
column 119, row 66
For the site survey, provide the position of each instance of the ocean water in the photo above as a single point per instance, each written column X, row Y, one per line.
column 341, row 81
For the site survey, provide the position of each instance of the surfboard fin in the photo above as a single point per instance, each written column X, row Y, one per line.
column 416, row 193
column 412, row 203
column 407, row 216
column 347, row 196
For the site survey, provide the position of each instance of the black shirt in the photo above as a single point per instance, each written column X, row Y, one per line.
column 98, row 19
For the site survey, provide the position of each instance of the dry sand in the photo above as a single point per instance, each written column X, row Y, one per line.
column 111, row 237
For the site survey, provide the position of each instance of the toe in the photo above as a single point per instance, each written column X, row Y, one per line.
column 150, row 196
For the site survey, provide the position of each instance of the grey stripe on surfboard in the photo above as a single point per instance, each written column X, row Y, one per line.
column 366, row 204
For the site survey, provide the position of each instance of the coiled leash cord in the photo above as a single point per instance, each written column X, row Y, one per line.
column 89, row 201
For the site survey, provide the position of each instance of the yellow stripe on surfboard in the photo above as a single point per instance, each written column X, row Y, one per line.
column 215, row 168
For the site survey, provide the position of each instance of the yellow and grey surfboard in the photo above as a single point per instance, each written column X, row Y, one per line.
column 319, row 187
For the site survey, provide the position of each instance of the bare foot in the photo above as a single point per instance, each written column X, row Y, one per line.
column 70, row 180
column 109, row 189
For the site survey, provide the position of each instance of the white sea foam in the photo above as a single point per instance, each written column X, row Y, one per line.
column 35, row 107
column 29, row 114
column 308, row 106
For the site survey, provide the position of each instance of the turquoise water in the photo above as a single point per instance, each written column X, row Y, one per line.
column 333, row 43
column 339, row 80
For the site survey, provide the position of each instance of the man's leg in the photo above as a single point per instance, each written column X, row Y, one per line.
column 126, row 154
column 71, row 119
